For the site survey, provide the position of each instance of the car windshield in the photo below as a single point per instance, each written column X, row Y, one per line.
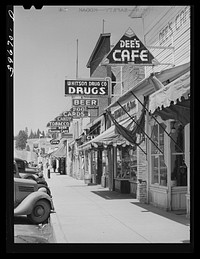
column 20, row 164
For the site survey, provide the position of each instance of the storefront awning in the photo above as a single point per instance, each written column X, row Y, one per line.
column 164, row 77
column 109, row 136
column 60, row 152
column 173, row 101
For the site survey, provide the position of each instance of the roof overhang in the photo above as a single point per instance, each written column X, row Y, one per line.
column 98, row 44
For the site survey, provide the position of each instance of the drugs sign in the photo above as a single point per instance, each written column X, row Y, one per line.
column 86, row 87
column 130, row 49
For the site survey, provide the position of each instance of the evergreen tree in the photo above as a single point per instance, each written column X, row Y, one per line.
column 21, row 140
column 26, row 131
column 43, row 134
column 31, row 135
column 38, row 133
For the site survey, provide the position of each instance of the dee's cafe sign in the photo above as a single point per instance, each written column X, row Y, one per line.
column 130, row 49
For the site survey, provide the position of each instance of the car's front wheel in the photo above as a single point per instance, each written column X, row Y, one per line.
column 40, row 212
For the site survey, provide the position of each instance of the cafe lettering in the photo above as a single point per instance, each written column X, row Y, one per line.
column 130, row 49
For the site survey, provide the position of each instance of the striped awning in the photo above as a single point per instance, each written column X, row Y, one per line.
column 174, row 92
column 110, row 136
column 60, row 152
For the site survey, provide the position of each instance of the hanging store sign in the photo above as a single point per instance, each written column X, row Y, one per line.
column 85, row 102
column 77, row 109
column 76, row 114
column 130, row 49
column 54, row 141
column 59, row 123
column 86, row 87
column 81, row 114
column 54, row 131
column 67, row 135
column 63, row 118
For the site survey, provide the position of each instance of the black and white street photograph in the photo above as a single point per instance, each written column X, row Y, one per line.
column 100, row 125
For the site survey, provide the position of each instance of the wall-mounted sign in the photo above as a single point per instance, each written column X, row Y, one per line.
column 86, row 87
column 85, row 102
column 54, row 141
column 130, row 49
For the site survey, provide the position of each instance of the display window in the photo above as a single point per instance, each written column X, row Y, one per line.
column 158, row 166
column 178, row 166
column 126, row 163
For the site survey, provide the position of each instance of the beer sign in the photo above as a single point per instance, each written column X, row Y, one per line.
column 86, row 87
column 130, row 49
column 85, row 102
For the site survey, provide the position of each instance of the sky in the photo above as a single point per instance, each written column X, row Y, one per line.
column 45, row 52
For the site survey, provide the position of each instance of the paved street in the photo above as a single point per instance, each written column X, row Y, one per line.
column 93, row 214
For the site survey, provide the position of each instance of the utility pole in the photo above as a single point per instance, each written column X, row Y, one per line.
column 77, row 59
column 103, row 26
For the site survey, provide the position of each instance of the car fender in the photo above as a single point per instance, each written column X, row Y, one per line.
column 26, row 206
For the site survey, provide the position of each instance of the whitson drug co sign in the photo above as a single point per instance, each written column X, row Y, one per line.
column 86, row 87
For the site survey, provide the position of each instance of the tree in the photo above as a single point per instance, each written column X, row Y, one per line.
column 38, row 133
column 31, row 135
column 21, row 140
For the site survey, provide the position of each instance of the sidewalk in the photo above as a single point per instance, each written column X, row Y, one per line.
column 93, row 214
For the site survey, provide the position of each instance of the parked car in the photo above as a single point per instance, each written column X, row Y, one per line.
column 32, row 173
column 31, row 200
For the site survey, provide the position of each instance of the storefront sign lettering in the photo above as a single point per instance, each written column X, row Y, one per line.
column 130, row 49
column 85, row 102
column 128, row 106
column 86, row 87
column 172, row 26
column 59, row 123
column 54, row 141
column 63, row 118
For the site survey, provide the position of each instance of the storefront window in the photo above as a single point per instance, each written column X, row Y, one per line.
column 158, row 166
column 126, row 163
column 104, row 162
column 86, row 161
column 178, row 166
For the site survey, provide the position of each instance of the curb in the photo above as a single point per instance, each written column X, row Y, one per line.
column 59, row 236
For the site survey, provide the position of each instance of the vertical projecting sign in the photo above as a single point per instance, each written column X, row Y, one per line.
column 130, row 49
column 86, row 87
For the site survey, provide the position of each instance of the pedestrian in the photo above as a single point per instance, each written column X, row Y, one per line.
column 54, row 166
column 48, row 169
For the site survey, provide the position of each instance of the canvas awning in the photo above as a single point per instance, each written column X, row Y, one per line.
column 109, row 136
column 164, row 77
column 60, row 152
column 173, row 101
